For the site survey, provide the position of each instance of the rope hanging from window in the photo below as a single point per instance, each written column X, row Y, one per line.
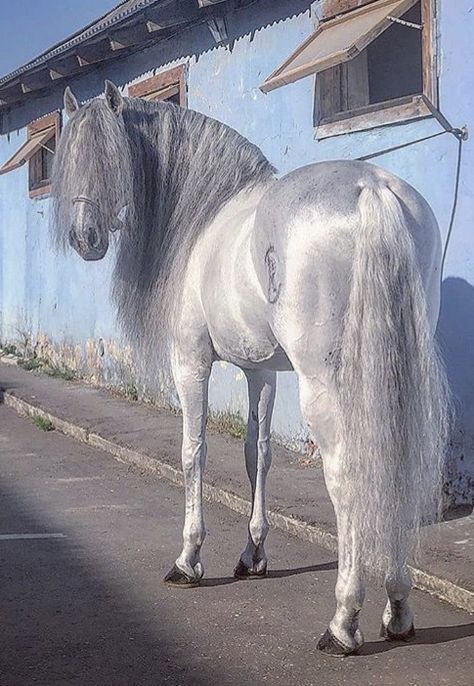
column 461, row 135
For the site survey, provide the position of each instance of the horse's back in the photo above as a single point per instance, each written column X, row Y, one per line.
column 327, row 195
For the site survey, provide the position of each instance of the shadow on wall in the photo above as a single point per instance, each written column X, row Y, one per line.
column 456, row 337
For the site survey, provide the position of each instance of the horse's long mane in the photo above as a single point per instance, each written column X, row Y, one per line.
column 175, row 168
column 186, row 166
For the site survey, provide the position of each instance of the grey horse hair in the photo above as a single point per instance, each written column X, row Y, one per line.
column 394, row 406
column 92, row 160
column 175, row 168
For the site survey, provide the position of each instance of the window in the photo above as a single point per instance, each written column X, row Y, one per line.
column 41, row 162
column 331, row 8
column 374, row 65
column 38, row 151
column 168, row 85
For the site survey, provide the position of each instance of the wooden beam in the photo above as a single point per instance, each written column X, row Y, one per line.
column 82, row 61
column 208, row 3
column 166, row 17
column 96, row 52
column 128, row 37
column 54, row 75
column 35, row 81
column 330, row 8
column 152, row 26
column 62, row 67
column 115, row 44
column 218, row 29
column 11, row 94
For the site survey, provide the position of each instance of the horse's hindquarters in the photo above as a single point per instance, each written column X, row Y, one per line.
column 357, row 296
column 302, row 249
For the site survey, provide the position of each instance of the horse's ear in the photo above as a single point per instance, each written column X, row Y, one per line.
column 70, row 102
column 113, row 97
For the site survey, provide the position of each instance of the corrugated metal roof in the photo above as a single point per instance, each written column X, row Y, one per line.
column 123, row 11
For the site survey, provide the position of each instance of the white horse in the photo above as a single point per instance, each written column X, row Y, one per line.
column 332, row 271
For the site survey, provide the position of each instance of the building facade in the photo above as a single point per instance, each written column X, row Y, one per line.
column 374, row 76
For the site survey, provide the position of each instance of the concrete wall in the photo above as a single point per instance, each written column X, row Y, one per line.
column 66, row 300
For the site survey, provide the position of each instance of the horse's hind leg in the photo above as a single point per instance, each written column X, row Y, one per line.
column 192, row 379
column 343, row 636
column 261, row 386
column 397, row 619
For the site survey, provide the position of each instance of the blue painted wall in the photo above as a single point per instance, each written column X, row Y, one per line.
column 67, row 300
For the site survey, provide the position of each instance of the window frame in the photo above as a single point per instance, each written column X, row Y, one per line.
column 394, row 111
column 51, row 121
column 334, row 8
column 156, row 86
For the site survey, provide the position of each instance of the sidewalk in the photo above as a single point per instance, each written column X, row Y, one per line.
column 149, row 439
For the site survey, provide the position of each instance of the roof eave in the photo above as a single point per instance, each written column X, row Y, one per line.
column 149, row 22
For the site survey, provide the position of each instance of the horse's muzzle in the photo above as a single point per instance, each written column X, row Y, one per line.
column 90, row 246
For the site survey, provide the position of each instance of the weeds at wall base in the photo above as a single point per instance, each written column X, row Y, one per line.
column 57, row 371
column 30, row 364
column 224, row 421
column 43, row 423
column 228, row 422
column 10, row 350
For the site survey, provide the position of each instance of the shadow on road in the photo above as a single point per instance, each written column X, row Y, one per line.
column 66, row 620
column 425, row 636
column 272, row 574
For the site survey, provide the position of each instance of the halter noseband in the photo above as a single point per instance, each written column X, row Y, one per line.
column 88, row 201
column 93, row 203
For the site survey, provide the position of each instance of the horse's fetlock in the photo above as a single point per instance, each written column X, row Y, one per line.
column 398, row 585
column 194, row 535
column 258, row 531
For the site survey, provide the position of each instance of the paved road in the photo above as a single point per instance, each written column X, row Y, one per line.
column 88, row 607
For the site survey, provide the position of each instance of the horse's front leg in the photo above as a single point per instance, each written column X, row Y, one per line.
column 261, row 387
column 192, row 386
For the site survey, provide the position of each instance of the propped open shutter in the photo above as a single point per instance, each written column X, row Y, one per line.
column 337, row 41
column 163, row 86
column 163, row 93
column 27, row 150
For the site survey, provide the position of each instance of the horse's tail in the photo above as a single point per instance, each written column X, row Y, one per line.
column 393, row 395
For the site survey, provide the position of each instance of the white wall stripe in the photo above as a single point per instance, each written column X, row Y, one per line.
column 20, row 537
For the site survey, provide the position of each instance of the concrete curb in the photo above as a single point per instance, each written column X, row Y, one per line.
column 313, row 533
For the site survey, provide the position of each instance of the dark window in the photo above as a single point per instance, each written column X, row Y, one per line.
column 394, row 60
column 385, row 83
column 38, row 150
column 40, row 166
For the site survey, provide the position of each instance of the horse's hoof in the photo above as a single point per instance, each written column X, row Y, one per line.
column 391, row 636
column 179, row 579
column 329, row 645
column 243, row 572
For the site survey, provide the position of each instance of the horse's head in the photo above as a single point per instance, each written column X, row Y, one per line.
column 92, row 175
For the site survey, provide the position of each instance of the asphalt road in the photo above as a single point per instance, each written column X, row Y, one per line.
column 87, row 606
